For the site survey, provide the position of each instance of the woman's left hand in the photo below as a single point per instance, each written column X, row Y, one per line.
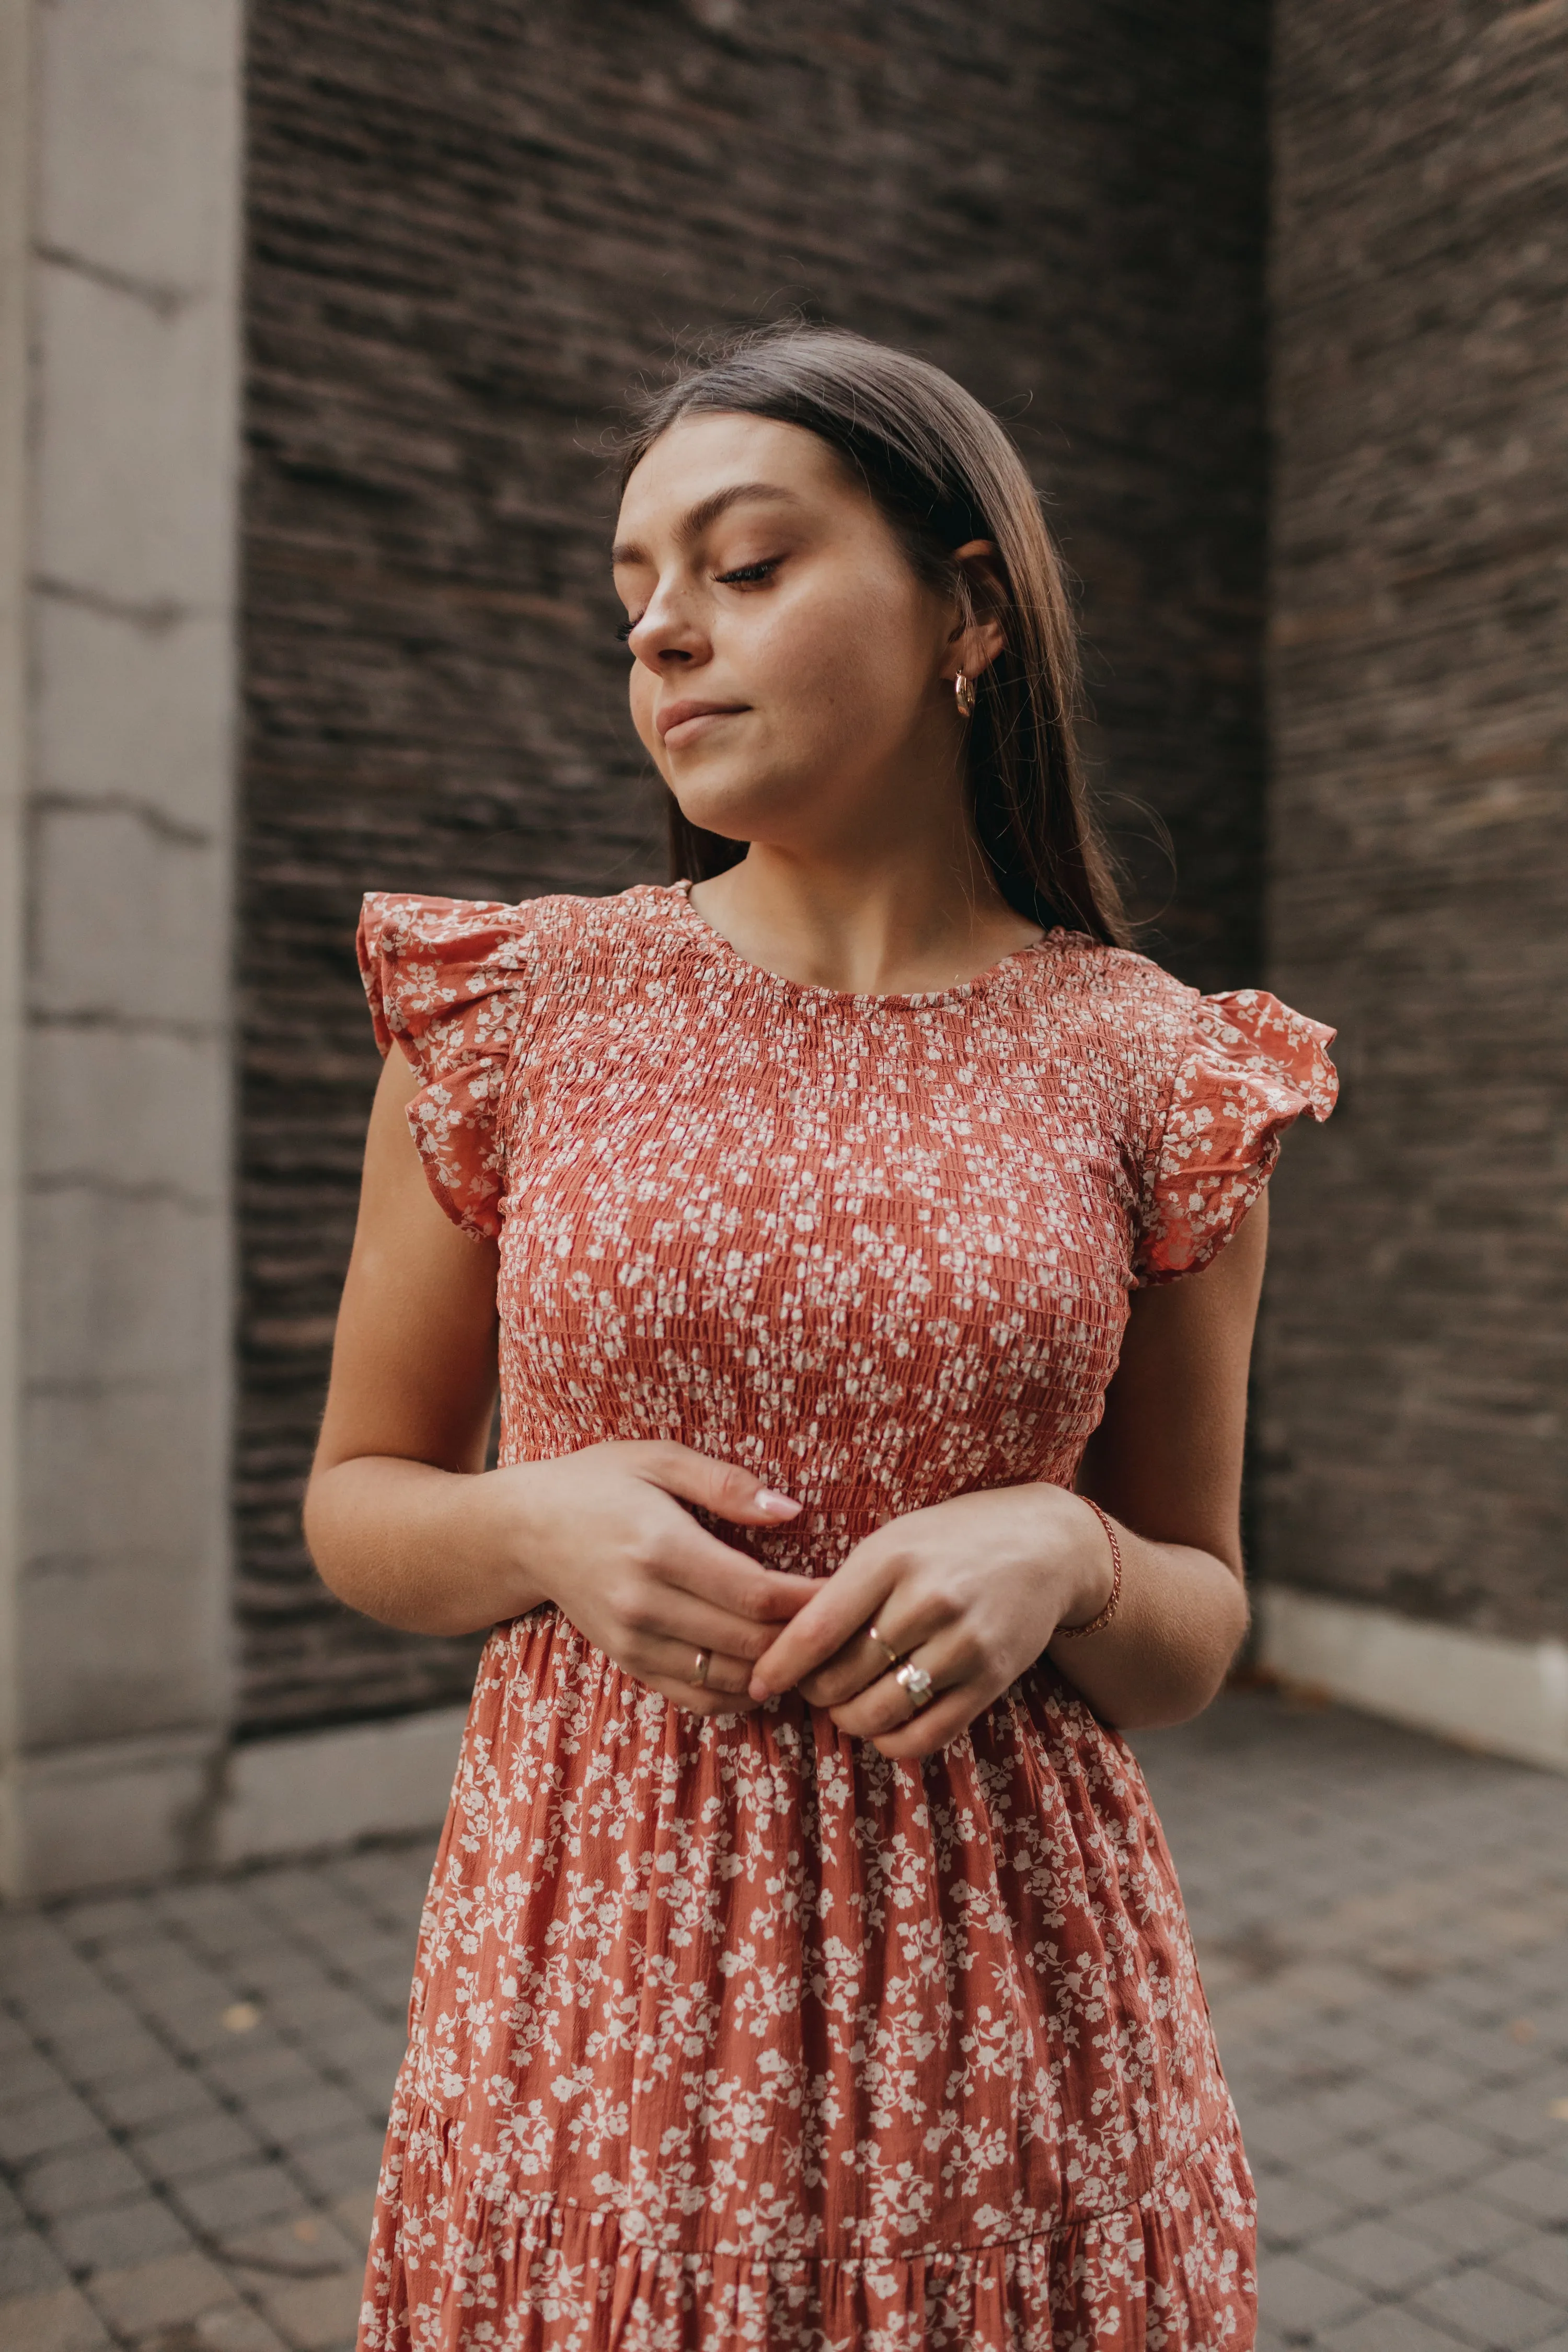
column 971, row 1590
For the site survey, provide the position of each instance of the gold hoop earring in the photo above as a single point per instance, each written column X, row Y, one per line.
column 963, row 694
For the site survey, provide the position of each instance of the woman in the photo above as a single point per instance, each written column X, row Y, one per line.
column 803, row 1965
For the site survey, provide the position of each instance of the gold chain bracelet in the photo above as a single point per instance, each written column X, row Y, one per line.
column 1076, row 1632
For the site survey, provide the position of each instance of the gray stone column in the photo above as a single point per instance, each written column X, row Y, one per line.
column 120, row 124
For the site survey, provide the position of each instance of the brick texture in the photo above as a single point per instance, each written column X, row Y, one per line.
column 1414, row 1438
column 468, row 228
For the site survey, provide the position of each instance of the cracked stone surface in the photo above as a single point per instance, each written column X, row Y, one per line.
column 193, row 2079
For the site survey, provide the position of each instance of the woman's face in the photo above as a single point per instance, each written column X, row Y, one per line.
column 792, row 677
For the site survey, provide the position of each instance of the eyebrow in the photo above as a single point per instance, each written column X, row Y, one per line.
column 697, row 520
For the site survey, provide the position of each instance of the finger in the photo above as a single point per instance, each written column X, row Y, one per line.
column 723, row 1487
column 861, row 1662
column 723, row 1685
column 659, row 1611
column 723, row 1578
column 842, row 1605
column 884, row 1706
column 945, row 1720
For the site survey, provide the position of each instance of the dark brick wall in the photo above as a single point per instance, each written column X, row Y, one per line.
column 468, row 227
column 1416, row 1428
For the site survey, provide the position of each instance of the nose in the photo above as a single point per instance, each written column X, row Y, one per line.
column 668, row 636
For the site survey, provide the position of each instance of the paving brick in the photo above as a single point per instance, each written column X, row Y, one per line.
column 1297, row 2298
column 200, row 2145
column 1385, row 2330
column 1378, row 2258
column 118, row 2056
column 28, row 2264
column 1541, row 2264
column 144, row 2101
column 1429, row 2146
column 1528, row 2187
column 309, row 2245
column 297, row 2118
column 38, row 2126
column 1488, row 2311
column 334, row 2166
column 1422, row 2077
column 162, row 2293
column 117, row 2237
column 1460, row 2221
column 238, row 2199
column 1288, row 2137
column 28, row 2077
column 1291, row 2211
column 237, row 2329
column 1366, row 2179
column 1519, row 2116
column 259, row 2066
column 94, row 2175
column 63, row 2321
column 318, row 2314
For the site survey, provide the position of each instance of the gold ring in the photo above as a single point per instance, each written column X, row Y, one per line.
column 895, row 1657
column 699, row 1670
column 917, row 1687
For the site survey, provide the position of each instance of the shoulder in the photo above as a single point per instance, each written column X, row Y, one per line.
column 395, row 926
column 1123, row 1005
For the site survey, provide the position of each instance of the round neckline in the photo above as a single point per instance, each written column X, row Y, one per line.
column 680, row 899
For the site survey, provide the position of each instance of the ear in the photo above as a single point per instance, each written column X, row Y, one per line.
column 976, row 641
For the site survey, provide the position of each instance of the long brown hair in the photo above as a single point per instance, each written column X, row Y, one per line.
column 941, row 470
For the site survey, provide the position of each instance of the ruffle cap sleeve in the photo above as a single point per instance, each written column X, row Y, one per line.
column 1250, row 1068
column 450, row 979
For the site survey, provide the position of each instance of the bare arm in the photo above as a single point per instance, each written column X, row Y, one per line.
column 973, row 1589
column 1166, row 1463
column 404, row 1522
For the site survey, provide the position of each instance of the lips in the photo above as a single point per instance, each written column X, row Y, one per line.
column 680, row 718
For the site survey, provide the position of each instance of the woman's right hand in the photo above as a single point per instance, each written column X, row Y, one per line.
column 603, row 1535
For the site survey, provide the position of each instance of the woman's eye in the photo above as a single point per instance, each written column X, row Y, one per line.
column 747, row 573
column 624, row 632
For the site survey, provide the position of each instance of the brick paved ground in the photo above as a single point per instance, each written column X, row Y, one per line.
column 191, row 2083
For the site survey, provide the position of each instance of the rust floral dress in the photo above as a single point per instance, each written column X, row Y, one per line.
column 725, row 2030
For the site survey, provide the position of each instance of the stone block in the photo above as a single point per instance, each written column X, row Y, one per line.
column 115, row 2237
column 298, row 2118
column 30, row 2128
column 120, row 1109
column 130, row 923
column 1485, row 2310
column 333, row 2166
column 194, row 2145
column 1540, row 2263
column 116, row 1814
column 1385, row 2329
column 1297, row 2298
column 173, row 2291
column 319, row 2314
column 138, row 711
column 79, row 2178
column 123, row 1291
column 1291, row 2211
column 29, row 2266
column 234, row 2328
column 139, row 167
column 120, row 1646
column 1529, row 2187
column 242, row 2199
column 1378, row 2259
column 60, row 2321
column 135, row 456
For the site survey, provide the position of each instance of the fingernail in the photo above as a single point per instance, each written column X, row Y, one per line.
column 770, row 1499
